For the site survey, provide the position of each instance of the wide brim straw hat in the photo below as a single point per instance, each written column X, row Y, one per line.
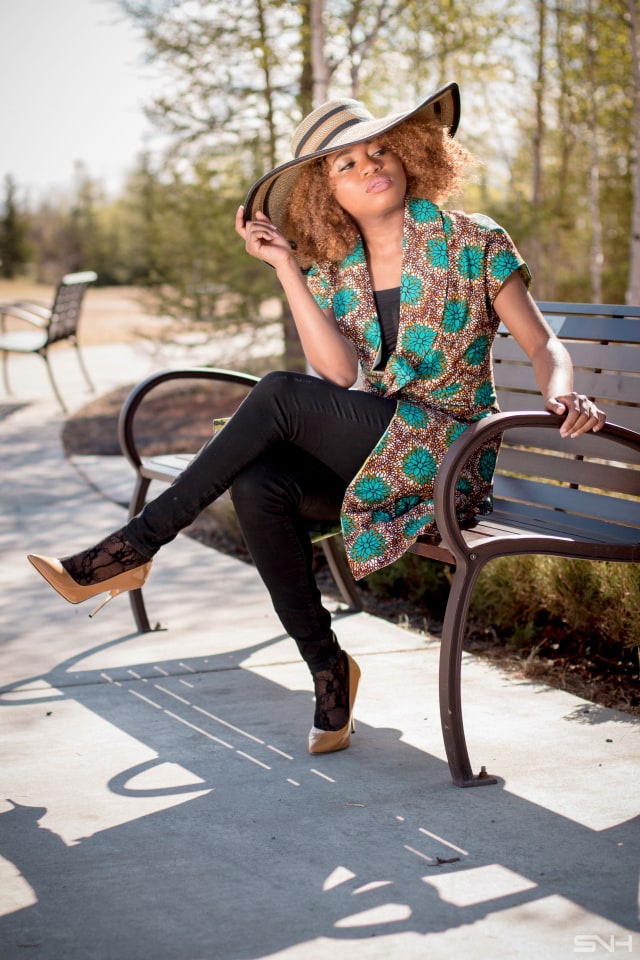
column 333, row 126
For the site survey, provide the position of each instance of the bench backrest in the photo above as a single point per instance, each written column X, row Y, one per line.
column 604, row 343
column 67, row 304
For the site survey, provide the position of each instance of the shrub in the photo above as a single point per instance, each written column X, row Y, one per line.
column 416, row 580
column 575, row 611
column 599, row 601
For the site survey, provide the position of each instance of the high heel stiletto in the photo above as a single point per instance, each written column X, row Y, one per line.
column 64, row 584
column 328, row 741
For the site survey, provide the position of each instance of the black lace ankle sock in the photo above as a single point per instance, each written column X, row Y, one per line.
column 332, row 695
column 107, row 559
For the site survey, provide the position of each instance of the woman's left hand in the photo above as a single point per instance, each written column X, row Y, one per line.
column 582, row 414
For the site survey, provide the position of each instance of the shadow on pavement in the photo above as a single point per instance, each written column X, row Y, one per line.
column 260, row 846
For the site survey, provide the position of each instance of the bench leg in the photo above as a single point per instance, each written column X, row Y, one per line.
column 5, row 372
column 139, row 611
column 136, row 599
column 83, row 368
column 450, row 664
column 43, row 353
column 341, row 573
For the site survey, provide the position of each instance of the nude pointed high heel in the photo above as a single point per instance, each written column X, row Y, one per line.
column 64, row 584
column 328, row 741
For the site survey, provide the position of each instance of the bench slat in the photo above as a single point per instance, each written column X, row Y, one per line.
column 605, row 356
column 510, row 523
column 591, row 446
column 584, row 327
column 518, row 376
column 569, row 501
column 507, row 522
column 582, row 473
column 626, row 415
column 591, row 309
column 604, row 386
column 588, row 355
column 165, row 466
column 608, row 386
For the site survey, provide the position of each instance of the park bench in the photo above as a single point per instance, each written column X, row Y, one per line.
column 576, row 498
column 48, row 324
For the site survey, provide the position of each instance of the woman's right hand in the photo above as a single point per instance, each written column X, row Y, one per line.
column 329, row 353
column 263, row 239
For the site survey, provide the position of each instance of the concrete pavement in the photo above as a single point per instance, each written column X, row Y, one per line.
column 157, row 801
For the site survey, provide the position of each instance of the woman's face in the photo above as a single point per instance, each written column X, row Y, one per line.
column 367, row 179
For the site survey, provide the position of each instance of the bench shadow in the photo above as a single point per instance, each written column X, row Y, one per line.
column 262, row 847
column 7, row 408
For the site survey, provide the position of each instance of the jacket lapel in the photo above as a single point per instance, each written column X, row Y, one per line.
column 423, row 293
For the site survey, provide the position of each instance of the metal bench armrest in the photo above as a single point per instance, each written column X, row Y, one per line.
column 23, row 311
column 472, row 438
column 128, row 412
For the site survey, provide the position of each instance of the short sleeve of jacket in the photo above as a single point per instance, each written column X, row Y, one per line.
column 319, row 284
column 502, row 257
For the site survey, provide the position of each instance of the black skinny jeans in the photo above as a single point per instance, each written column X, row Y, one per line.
column 288, row 454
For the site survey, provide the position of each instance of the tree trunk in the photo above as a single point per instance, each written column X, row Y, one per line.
column 537, row 191
column 361, row 43
column 633, row 289
column 265, row 57
column 319, row 65
column 305, row 97
column 562, row 208
column 596, row 257
column 314, row 84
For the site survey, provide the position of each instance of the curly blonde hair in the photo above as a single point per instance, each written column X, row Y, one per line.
column 435, row 166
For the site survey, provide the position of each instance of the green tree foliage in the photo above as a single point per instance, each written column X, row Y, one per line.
column 240, row 75
column 76, row 231
column 197, row 264
column 232, row 68
column 548, row 92
column 574, row 224
column 14, row 226
column 233, row 73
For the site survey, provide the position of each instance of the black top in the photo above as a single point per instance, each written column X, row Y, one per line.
column 388, row 307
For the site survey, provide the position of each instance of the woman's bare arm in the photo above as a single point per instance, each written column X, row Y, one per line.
column 329, row 353
column 551, row 362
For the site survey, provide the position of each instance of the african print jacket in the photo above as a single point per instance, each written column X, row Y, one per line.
column 440, row 373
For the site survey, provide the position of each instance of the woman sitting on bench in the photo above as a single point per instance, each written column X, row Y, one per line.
column 381, row 281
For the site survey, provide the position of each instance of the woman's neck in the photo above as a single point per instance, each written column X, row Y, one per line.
column 382, row 238
column 385, row 262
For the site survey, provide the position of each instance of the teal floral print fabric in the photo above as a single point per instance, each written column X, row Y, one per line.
column 441, row 373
